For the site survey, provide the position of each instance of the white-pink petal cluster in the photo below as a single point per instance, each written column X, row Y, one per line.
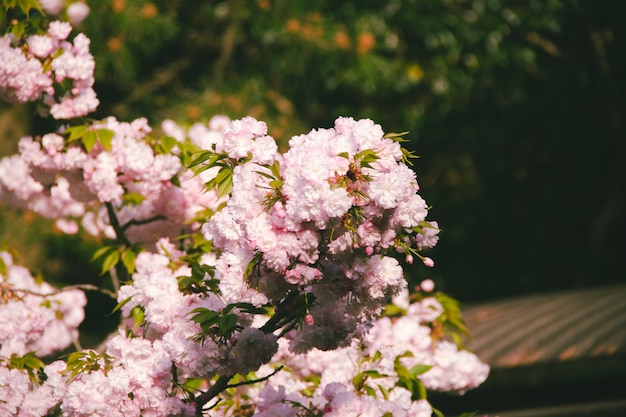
column 324, row 231
column 77, row 12
column 329, row 376
column 167, row 311
column 136, row 382
column 240, row 138
column 65, row 182
column 42, row 399
column 454, row 369
column 342, row 198
column 33, row 316
column 52, row 6
column 23, row 78
column 14, row 387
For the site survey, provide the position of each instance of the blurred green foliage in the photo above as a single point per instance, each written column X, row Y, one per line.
column 517, row 109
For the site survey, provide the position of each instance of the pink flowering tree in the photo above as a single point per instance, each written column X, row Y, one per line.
column 250, row 282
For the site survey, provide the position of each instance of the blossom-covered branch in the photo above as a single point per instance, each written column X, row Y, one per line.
column 241, row 261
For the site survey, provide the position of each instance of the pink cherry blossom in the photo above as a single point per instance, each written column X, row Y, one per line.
column 292, row 265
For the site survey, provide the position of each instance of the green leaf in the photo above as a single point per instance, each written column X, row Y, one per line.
column 264, row 174
column 275, row 168
column 252, row 265
column 210, row 184
column 18, row 30
column 421, row 391
column 358, row 380
column 192, row 385
column 110, row 261
column 372, row 373
column 227, row 323
column 168, row 143
column 205, row 317
column 225, row 187
column 249, row 308
column 26, row 5
column 105, row 136
column 469, row 414
column 392, row 310
column 277, row 184
column 223, row 174
column 85, row 361
column 133, row 198
column 384, row 391
column 407, row 379
column 437, row 412
column 102, row 252
column 121, row 304
column 203, row 157
column 3, row 268
column 366, row 157
column 89, row 140
column 33, row 362
column 396, row 136
column 128, row 259
column 420, row 369
column 29, row 363
column 407, row 156
column 76, row 132
column 139, row 316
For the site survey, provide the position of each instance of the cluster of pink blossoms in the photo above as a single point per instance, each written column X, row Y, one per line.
column 33, row 317
column 293, row 266
column 335, row 382
column 70, row 184
column 323, row 224
column 76, row 11
column 34, row 69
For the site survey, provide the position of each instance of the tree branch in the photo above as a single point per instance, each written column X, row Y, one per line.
column 254, row 381
column 220, row 385
column 119, row 231
column 86, row 287
column 135, row 222
column 280, row 318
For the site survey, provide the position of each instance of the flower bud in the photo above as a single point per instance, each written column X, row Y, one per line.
column 427, row 285
column 428, row 262
column 308, row 319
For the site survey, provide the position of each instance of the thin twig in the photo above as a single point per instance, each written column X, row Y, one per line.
column 115, row 280
column 135, row 222
column 86, row 287
column 77, row 344
column 254, row 381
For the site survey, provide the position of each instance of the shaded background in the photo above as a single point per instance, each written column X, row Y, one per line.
column 517, row 108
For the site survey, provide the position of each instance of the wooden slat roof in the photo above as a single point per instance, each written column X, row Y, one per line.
column 549, row 327
column 551, row 355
